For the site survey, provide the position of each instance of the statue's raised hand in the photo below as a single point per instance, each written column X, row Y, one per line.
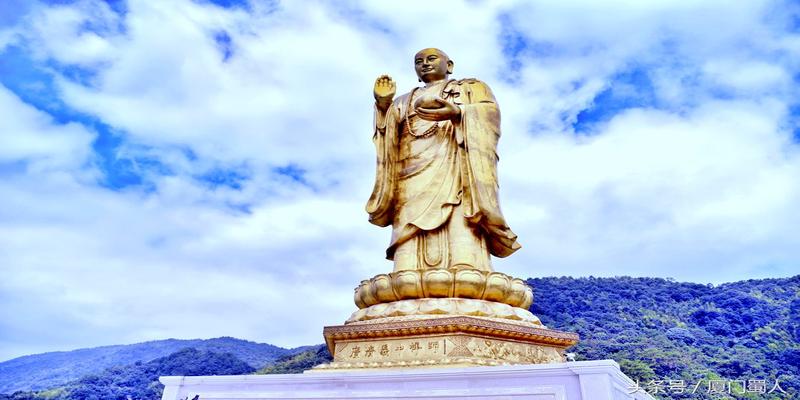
column 384, row 91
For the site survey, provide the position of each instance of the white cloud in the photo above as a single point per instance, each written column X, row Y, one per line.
column 7, row 37
column 750, row 77
column 29, row 135
column 64, row 33
column 127, row 268
column 695, row 186
column 660, row 194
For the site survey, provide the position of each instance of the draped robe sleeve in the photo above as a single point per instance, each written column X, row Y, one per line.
column 380, row 206
column 479, row 128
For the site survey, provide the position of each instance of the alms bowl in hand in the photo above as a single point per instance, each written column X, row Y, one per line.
column 429, row 101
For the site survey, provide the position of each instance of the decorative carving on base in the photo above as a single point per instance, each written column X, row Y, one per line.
column 443, row 341
column 443, row 362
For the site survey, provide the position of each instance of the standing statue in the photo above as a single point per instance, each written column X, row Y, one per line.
column 436, row 185
column 436, row 180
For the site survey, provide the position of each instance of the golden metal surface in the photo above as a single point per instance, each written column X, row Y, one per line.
column 444, row 306
column 448, row 325
column 436, row 179
column 436, row 185
column 437, row 283
column 443, row 342
column 436, row 349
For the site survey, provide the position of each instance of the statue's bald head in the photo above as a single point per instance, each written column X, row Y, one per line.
column 431, row 50
column 432, row 64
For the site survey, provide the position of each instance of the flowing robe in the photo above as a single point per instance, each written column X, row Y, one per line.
column 436, row 183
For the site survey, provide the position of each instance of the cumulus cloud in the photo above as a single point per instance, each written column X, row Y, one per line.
column 29, row 135
column 655, row 191
column 639, row 138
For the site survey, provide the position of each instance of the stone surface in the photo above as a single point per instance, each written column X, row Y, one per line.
column 444, row 341
column 582, row 380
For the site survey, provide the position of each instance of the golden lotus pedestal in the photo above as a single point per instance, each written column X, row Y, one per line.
column 443, row 317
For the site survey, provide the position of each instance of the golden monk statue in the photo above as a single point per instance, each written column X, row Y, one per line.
column 436, row 184
column 436, row 180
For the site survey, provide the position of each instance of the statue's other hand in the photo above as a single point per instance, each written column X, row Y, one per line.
column 384, row 91
column 436, row 109
column 429, row 101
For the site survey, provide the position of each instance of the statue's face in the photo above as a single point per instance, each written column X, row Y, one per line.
column 432, row 65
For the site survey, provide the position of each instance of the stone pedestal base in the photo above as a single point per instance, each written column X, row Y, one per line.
column 582, row 380
column 445, row 342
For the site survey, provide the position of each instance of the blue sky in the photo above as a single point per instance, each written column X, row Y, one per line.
column 199, row 168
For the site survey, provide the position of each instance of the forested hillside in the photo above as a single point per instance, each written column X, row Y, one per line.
column 660, row 330
column 657, row 329
column 48, row 370
column 140, row 380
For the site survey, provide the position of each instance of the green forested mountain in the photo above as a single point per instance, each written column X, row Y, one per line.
column 48, row 370
column 140, row 380
column 661, row 330
column 297, row 363
column 657, row 329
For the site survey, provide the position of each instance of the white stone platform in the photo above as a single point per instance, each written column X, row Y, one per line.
column 579, row 380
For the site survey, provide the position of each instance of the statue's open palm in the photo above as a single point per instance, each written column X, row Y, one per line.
column 384, row 91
